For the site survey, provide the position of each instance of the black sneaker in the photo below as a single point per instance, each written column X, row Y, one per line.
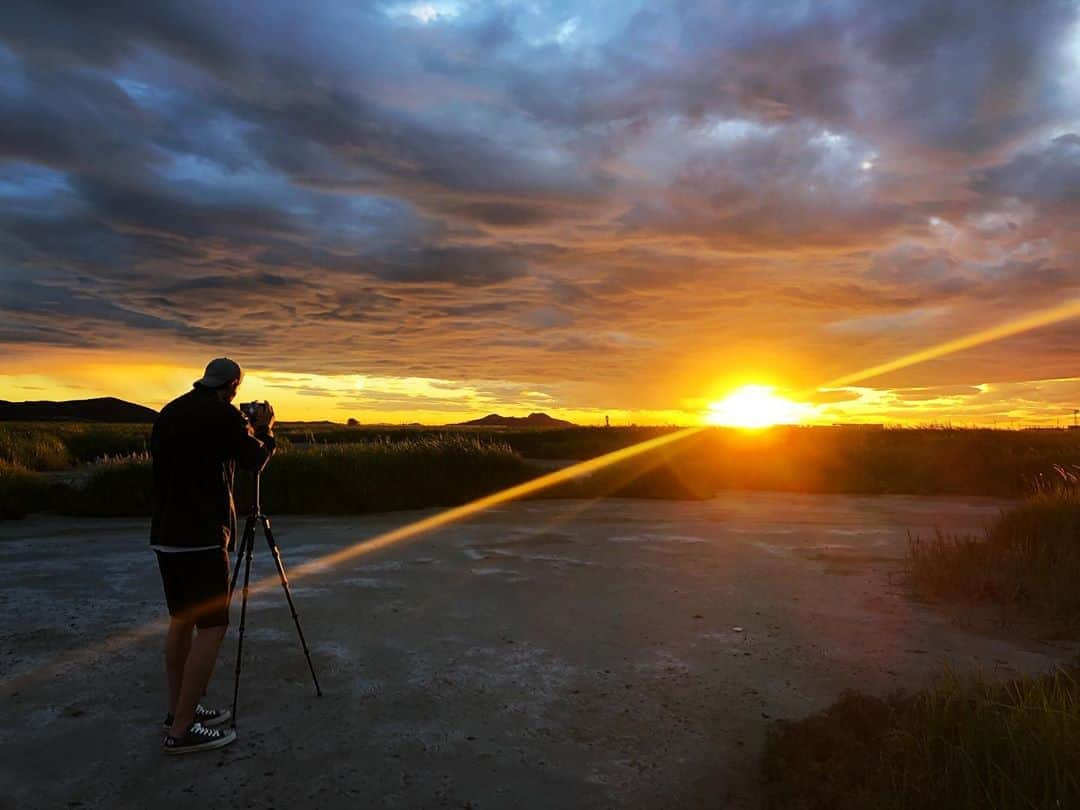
column 208, row 717
column 198, row 738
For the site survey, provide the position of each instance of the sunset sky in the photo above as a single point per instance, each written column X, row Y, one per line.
column 435, row 210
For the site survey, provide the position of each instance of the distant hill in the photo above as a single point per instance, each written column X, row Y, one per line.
column 102, row 409
column 532, row 420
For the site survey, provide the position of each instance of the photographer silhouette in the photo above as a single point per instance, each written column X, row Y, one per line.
column 196, row 444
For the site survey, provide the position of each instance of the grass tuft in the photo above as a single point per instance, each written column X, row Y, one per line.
column 964, row 743
column 1029, row 560
column 32, row 448
column 378, row 476
column 22, row 491
column 812, row 459
column 116, row 486
column 441, row 470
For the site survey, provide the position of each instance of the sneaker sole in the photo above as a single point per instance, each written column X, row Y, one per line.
column 222, row 719
column 229, row 737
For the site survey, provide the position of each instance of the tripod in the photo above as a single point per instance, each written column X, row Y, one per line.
column 246, row 550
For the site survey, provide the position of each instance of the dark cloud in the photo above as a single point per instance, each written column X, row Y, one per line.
column 1049, row 176
column 513, row 189
column 932, row 270
column 508, row 214
column 67, row 31
column 969, row 75
column 466, row 266
column 39, row 312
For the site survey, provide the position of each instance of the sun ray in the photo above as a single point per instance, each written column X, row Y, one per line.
column 1046, row 317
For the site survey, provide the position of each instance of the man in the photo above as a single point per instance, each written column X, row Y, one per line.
column 196, row 443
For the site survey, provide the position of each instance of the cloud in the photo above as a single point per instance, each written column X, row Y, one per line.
column 903, row 321
column 643, row 194
column 771, row 189
column 968, row 76
column 1048, row 176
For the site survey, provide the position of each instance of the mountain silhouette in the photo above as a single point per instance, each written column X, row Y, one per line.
column 102, row 409
column 532, row 420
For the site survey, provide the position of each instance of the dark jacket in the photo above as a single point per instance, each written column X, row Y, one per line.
column 196, row 443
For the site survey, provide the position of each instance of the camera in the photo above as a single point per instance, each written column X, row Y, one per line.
column 252, row 409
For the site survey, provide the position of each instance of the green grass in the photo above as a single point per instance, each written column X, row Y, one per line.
column 805, row 459
column 22, row 491
column 90, row 442
column 925, row 461
column 46, row 446
column 938, row 461
column 1028, row 562
column 378, row 476
column 115, row 487
column 32, row 448
column 322, row 479
column 963, row 744
column 917, row 461
column 545, row 443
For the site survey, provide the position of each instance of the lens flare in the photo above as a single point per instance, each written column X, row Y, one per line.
column 1046, row 317
column 756, row 406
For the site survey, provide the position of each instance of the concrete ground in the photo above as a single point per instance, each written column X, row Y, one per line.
column 548, row 654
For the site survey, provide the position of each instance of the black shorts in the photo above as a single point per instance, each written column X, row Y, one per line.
column 196, row 585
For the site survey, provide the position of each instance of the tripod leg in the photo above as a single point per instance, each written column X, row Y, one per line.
column 246, row 549
column 288, row 596
column 247, row 540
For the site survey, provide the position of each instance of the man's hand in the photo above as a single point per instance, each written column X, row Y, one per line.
column 264, row 417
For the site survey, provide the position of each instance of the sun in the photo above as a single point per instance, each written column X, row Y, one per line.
column 756, row 406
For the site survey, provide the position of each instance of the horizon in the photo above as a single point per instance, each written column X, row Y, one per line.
column 292, row 405
column 463, row 420
column 431, row 211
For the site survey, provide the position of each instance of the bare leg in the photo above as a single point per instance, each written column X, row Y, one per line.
column 177, row 647
column 200, row 663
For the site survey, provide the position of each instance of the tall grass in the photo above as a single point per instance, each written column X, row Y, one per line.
column 1029, row 560
column 47, row 446
column 931, row 460
column 22, row 491
column 939, row 461
column 899, row 461
column 88, row 442
column 323, row 479
column 803, row 459
column 32, row 448
column 965, row 743
column 924, row 461
column 439, row 470
column 115, row 487
column 546, row 443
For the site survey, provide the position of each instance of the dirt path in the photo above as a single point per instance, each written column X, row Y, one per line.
column 546, row 655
